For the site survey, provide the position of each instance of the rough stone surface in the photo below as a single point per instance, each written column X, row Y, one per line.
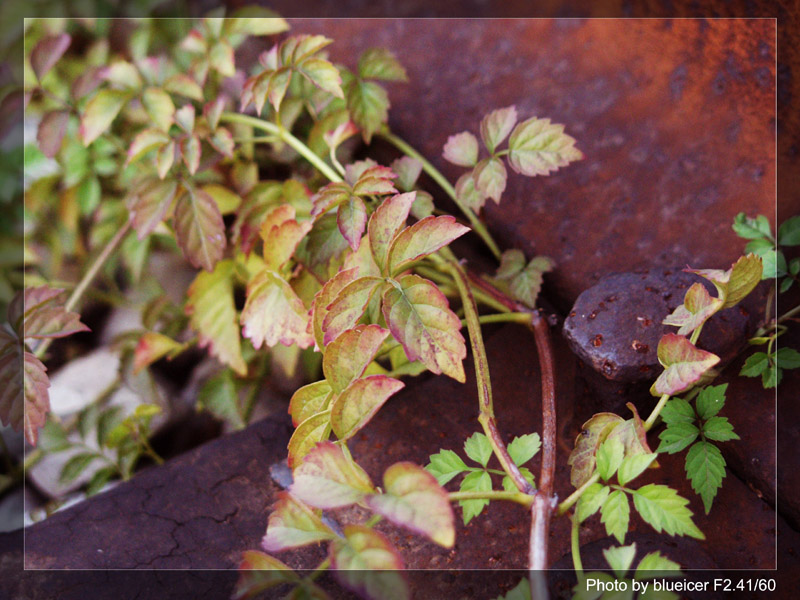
column 616, row 324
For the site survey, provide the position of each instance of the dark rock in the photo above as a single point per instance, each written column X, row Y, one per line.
column 615, row 325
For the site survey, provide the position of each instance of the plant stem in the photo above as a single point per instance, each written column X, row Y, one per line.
column 440, row 179
column 576, row 548
column 321, row 568
column 87, row 279
column 287, row 137
column 518, row 497
column 543, row 505
column 575, row 496
column 788, row 314
column 486, row 417
column 648, row 424
column 502, row 318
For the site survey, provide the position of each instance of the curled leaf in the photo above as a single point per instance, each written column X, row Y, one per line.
column 697, row 307
column 735, row 283
column 684, row 365
column 593, row 433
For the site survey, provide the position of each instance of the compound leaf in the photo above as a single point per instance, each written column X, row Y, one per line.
column 445, row 465
column 593, row 433
column 496, row 126
column 199, row 228
column 615, row 515
column 385, row 223
column 664, row 509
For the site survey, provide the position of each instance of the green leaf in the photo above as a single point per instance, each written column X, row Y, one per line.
column 478, row 448
column 199, row 228
column 220, row 397
column 259, row 572
column 322, row 74
column 153, row 346
column 368, row 104
column 50, row 133
column 347, row 357
column 496, row 126
column 370, row 178
column 44, row 315
column 759, row 247
column 684, row 365
column 222, row 141
column 423, row 205
column 719, row 429
column 183, row 84
column 106, row 422
column 710, row 400
column 292, row 524
column 677, row 436
column 159, row 107
column 787, row 358
column 655, row 565
column 75, row 466
column 521, row 591
column 620, row 559
column 771, row 377
column 380, row 63
column 468, row 194
column 755, row 365
column 705, row 468
column 329, row 479
column 164, row 159
column 413, row 498
column 582, row 592
column 677, row 410
column 408, row 170
column 461, row 149
column 306, row 437
column 445, row 465
column 422, row 239
column 309, row 400
column 185, row 117
column 526, row 283
column 615, row 515
column 490, row 178
column 697, row 307
column 384, row 224
column 593, row 433
column 537, row 147
column 523, row 448
column 609, row 457
column 476, row 481
column 47, row 52
column 190, row 151
column 752, row 229
column 664, row 509
column 737, row 282
column 510, row 486
column 352, row 220
column 591, row 500
column 359, row 402
column 212, row 314
column 366, row 563
column 789, row 232
column 144, row 142
column 419, row 317
column 273, row 313
column 633, row 466
column 99, row 480
column 100, row 112
column 220, row 58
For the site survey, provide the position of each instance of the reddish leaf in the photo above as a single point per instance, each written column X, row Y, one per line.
column 362, row 260
column 413, row 498
column 222, row 141
column 697, row 307
column 259, row 572
column 537, row 147
column 47, row 52
column 149, row 203
column 151, row 347
column 468, row 194
column 199, row 228
column 45, row 315
column 349, row 306
column 281, row 234
column 367, row 564
column 322, row 74
column 420, row 318
column 329, row 479
column 368, row 105
column 328, row 293
column 273, row 313
column 352, row 220
column 421, row 239
column 684, row 365
column 292, row 524
column 213, row 110
column 384, row 224
column 348, row 356
column 593, row 433
column 461, row 149
column 220, row 58
column 309, row 400
column 87, row 82
column 190, row 151
column 328, row 197
column 380, row 63
column 256, row 204
column 309, row 433
column 632, row 435
column 37, row 400
column 357, row 404
column 11, row 397
column 212, row 314
column 100, row 112
column 490, row 178
column 51, row 132
column 737, row 282
column 375, row 180
column 496, row 126
column 183, row 84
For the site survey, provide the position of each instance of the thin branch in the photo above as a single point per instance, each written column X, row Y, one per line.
column 486, row 416
column 543, row 507
column 518, row 497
